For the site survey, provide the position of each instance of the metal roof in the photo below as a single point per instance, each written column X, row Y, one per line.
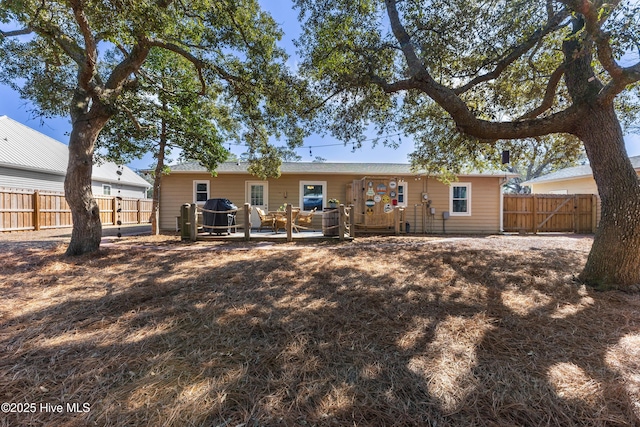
column 574, row 172
column 24, row 148
column 321, row 168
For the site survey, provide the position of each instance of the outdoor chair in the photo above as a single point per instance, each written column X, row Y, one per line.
column 304, row 220
column 281, row 220
column 266, row 220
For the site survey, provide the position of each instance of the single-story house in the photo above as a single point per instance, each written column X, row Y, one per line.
column 30, row 160
column 473, row 204
column 573, row 180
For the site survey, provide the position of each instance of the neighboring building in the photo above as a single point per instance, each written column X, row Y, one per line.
column 30, row 160
column 473, row 203
column 574, row 180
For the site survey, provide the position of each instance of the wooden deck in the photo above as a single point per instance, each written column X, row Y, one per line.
column 267, row 235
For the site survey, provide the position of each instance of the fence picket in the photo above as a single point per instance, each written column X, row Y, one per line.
column 27, row 210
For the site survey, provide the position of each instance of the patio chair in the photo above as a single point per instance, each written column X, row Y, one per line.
column 304, row 220
column 281, row 220
column 266, row 220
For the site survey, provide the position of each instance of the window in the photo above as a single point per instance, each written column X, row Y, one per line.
column 313, row 194
column 460, row 199
column 200, row 192
column 257, row 195
column 402, row 193
column 106, row 189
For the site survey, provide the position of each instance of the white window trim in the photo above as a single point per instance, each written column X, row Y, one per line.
column 404, row 184
column 104, row 187
column 195, row 187
column 460, row 184
column 324, row 193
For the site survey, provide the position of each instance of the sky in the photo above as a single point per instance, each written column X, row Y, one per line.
column 326, row 147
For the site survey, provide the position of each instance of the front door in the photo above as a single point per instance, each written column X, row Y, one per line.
column 257, row 195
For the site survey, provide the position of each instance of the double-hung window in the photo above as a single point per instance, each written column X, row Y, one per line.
column 313, row 194
column 460, row 199
column 402, row 193
column 200, row 192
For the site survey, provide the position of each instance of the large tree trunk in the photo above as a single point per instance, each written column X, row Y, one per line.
column 87, row 227
column 614, row 260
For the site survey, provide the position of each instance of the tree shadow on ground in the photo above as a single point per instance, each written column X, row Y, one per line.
column 346, row 336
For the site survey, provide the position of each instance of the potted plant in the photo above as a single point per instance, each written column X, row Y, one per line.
column 333, row 203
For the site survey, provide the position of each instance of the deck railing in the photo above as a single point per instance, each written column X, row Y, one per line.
column 189, row 224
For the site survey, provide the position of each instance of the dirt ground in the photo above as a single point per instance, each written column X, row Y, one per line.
column 389, row 331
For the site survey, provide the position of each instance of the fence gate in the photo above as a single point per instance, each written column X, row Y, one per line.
column 550, row 213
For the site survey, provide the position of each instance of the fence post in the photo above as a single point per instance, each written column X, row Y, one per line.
column 352, row 223
column 534, row 212
column 193, row 219
column 576, row 214
column 341, row 217
column 184, row 221
column 247, row 221
column 36, row 210
column 114, row 208
column 139, row 204
column 594, row 213
column 289, row 214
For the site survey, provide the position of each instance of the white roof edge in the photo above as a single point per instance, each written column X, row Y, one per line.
column 543, row 181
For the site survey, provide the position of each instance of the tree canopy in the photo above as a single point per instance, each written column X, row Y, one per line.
column 496, row 68
column 492, row 71
column 89, row 59
column 104, row 48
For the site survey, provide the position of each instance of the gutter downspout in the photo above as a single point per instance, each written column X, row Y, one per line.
column 501, row 182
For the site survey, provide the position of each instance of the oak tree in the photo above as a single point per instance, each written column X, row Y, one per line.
column 500, row 70
column 83, row 58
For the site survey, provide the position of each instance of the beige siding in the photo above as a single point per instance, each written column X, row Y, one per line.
column 585, row 185
column 485, row 206
column 177, row 189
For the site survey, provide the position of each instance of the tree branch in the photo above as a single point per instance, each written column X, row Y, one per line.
column 90, row 60
column 197, row 63
column 466, row 121
column 129, row 65
column 14, row 33
column 549, row 94
column 621, row 77
column 400, row 33
column 553, row 24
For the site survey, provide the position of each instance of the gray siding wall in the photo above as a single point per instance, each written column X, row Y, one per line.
column 30, row 180
column 128, row 191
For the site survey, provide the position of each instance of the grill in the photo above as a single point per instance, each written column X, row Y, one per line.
column 219, row 221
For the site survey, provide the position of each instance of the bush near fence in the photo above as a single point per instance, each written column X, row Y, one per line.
column 32, row 210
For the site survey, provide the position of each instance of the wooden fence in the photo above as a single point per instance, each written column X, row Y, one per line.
column 550, row 213
column 26, row 210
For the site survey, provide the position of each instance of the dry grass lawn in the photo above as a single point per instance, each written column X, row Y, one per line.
column 381, row 331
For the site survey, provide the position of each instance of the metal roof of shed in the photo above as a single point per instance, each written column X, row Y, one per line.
column 24, row 148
